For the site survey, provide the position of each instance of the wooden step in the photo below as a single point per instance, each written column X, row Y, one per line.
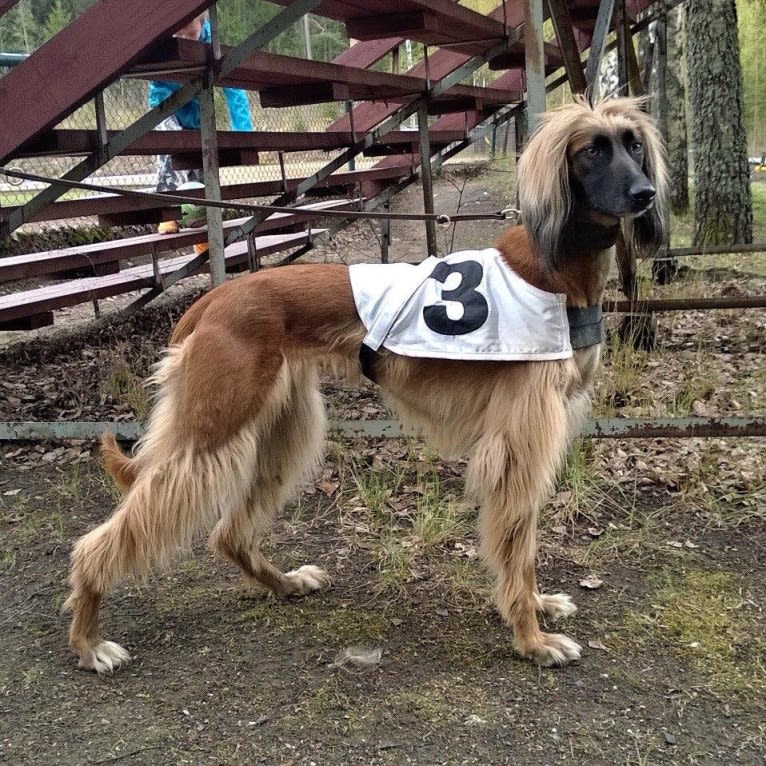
column 27, row 309
column 116, row 210
column 96, row 258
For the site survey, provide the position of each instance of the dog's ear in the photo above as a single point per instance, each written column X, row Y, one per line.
column 648, row 233
column 542, row 184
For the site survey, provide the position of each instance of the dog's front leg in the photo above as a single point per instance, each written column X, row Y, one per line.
column 512, row 470
column 509, row 546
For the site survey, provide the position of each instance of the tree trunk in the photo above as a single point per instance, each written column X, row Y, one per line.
column 646, row 55
column 723, row 211
column 678, row 164
column 608, row 78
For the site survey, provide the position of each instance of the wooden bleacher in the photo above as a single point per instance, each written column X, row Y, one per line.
column 102, row 258
column 116, row 210
column 31, row 309
column 79, row 64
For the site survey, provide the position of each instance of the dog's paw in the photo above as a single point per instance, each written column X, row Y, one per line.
column 307, row 578
column 104, row 657
column 555, row 606
column 554, row 649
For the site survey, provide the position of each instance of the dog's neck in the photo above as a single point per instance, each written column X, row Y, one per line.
column 584, row 266
column 589, row 232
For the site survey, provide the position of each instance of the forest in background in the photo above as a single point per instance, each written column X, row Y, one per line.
column 32, row 22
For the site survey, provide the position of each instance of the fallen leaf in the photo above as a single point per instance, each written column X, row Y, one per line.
column 591, row 582
column 699, row 408
column 597, row 645
column 328, row 487
column 357, row 655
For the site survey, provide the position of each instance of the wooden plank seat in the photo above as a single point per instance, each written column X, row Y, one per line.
column 289, row 81
column 29, row 309
column 433, row 22
column 237, row 148
column 75, row 142
column 101, row 258
column 116, row 210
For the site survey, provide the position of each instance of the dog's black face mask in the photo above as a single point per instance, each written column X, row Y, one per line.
column 607, row 176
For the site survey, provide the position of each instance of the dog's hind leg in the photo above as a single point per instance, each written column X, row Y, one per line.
column 190, row 469
column 289, row 449
column 163, row 509
column 512, row 469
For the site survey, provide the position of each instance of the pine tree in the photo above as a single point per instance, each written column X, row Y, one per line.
column 58, row 17
column 723, row 211
column 675, row 83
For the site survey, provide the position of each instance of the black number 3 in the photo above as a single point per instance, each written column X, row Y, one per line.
column 475, row 308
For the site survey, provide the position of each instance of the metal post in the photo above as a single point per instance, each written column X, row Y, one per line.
column 427, row 178
column 385, row 234
column 215, row 40
column 210, row 169
column 623, row 40
column 253, row 257
column 663, row 271
column 520, row 131
column 534, row 55
column 101, row 133
column 306, row 33
column 350, row 112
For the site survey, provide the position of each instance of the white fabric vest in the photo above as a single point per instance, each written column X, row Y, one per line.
column 468, row 305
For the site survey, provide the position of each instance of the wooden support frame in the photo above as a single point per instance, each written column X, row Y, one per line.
column 232, row 59
column 210, row 163
column 373, row 136
column 562, row 26
column 598, row 41
column 83, row 62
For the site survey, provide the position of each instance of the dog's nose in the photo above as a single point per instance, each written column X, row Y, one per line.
column 642, row 193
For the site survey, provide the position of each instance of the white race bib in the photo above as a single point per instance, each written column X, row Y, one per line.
column 468, row 305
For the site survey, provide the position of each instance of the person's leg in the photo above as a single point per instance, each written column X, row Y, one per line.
column 168, row 179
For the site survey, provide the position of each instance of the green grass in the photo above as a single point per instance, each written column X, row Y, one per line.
column 711, row 621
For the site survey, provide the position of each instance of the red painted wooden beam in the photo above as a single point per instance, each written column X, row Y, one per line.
column 87, row 54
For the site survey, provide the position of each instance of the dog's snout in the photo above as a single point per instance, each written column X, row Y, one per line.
column 642, row 193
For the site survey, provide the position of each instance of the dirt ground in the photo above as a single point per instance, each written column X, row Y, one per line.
column 403, row 659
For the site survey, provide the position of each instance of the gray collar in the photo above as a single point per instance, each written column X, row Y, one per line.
column 586, row 326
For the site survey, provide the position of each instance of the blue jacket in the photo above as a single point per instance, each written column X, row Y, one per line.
column 189, row 115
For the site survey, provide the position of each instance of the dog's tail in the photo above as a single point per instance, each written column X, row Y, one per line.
column 118, row 465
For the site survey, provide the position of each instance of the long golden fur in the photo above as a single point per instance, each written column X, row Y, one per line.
column 239, row 423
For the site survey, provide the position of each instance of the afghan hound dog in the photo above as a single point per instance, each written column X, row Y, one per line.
column 239, row 423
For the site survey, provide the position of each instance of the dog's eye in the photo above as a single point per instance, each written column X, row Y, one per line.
column 637, row 147
column 592, row 151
